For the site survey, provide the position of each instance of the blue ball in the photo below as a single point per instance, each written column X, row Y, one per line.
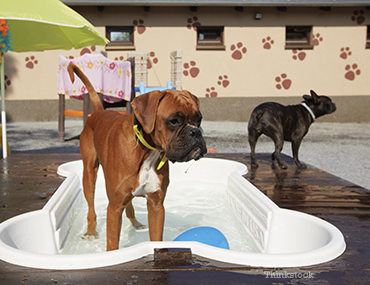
column 206, row 235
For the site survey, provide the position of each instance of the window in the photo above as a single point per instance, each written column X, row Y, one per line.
column 120, row 37
column 298, row 37
column 368, row 37
column 210, row 37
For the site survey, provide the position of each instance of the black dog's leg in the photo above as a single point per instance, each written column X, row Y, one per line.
column 295, row 147
column 279, row 142
column 253, row 136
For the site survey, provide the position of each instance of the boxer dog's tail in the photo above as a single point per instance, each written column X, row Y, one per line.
column 95, row 100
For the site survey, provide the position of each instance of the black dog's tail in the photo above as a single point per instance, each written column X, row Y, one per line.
column 254, row 121
column 95, row 100
column 257, row 115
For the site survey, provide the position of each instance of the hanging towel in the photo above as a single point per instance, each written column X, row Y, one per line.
column 111, row 78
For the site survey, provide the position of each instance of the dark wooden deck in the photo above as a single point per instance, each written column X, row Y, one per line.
column 27, row 180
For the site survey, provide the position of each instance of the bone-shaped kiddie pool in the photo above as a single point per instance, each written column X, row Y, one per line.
column 208, row 192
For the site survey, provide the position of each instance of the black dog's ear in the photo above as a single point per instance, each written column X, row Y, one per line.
column 307, row 98
column 315, row 97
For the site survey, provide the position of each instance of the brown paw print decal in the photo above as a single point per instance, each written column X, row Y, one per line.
column 193, row 23
column 121, row 58
column 31, row 62
column 298, row 54
column 88, row 50
column 191, row 69
column 238, row 51
column 6, row 81
column 345, row 52
column 211, row 92
column 139, row 26
column 283, row 82
column 150, row 61
column 358, row 16
column 352, row 71
column 268, row 42
column 222, row 80
column 316, row 39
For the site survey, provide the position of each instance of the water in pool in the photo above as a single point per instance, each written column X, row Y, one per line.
column 188, row 204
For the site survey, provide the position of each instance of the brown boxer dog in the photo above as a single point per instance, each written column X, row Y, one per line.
column 134, row 153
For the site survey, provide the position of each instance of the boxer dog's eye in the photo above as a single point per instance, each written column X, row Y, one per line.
column 174, row 122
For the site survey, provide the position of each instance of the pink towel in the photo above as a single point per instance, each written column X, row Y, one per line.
column 109, row 77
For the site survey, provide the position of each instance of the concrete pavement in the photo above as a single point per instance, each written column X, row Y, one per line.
column 342, row 149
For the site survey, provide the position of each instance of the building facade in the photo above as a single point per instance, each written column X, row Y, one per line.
column 234, row 53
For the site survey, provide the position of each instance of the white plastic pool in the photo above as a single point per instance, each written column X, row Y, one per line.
column 209, row 192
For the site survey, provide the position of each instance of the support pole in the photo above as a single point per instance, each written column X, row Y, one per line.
column 3, row 114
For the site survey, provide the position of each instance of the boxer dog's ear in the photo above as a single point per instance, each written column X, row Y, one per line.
column 145, row 108
column 195, row 98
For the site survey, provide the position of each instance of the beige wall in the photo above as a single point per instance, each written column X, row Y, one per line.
column 33, row 75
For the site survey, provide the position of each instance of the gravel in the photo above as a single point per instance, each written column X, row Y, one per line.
column 339, row 148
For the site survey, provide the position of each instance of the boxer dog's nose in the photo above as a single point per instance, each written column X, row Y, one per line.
column 195, row 132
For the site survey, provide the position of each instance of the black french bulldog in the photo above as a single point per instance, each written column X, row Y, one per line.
column 289, row 123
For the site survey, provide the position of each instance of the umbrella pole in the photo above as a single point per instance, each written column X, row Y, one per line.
column 3, row 114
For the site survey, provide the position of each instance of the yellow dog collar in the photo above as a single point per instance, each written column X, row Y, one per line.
column 139, row 135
